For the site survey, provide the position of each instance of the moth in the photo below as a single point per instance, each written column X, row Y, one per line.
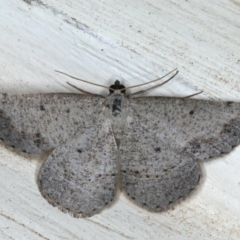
column 150, row 147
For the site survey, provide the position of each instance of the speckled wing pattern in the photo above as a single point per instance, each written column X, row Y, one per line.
column 80, row 175
column 34, row 123
column 164, row 139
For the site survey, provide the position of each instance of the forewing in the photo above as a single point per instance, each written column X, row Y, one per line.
column 81, row 175
column 34, row 123
column 203, row 129
column 163, row 140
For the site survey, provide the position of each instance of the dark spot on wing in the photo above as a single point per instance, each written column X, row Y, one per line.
column 157, row 149
column 228, row 104
column 38, row 135
column 37, row 142
column 191, row 112
column 42, row 108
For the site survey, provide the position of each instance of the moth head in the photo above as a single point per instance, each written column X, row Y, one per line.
column 117, row 86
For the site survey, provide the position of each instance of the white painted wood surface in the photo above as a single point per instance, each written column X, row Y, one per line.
column 134, row 41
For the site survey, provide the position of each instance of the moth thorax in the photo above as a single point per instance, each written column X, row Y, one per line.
column 117, row 105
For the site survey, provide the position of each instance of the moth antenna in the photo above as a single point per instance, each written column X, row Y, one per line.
column 82, row 80
column 158, row 85
column 155, row 79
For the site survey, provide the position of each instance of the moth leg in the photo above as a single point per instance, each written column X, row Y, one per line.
column 86, row 92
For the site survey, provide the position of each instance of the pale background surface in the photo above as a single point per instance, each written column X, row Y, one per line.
column 134, row 41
